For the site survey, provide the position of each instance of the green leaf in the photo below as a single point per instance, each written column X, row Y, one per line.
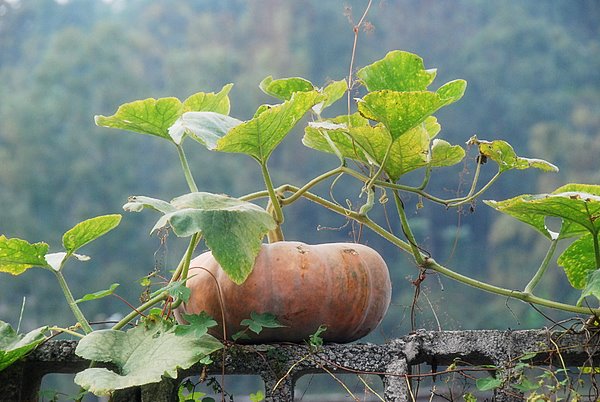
column 592, row 287
column 401, row 111
column 155, row 116
column 98, row 295
column 176, row 289
column 469, row 397
column 578, row 260
column 578, row 205
column 16, row 255
column 139, row 202
column 209, row 102
column 397, row 71
column 14, row 346
column 88, row 231
column 257, row 397
column 284, row 88
column 409, row 152
column 198, row 324
column 332, row 136
column 333, row 92
column 316, row 339
column 259, row 137
column 205, row 127
column 149, row 116
column 525, row 385
column 505, row 156
column 354, row 138
column 488, row 383
column 232, row 229
column 444, row 154
column 257, row 322
column 141, row 355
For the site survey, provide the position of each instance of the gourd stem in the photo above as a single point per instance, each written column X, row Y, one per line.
column 276, row 234
column 542, row 269
column 144, row 306
column 186, row 169
column 407, row 230
column 85, row 325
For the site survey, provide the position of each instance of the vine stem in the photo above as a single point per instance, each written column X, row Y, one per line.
column 272, row 196
column 355, row 29
column 85, row 325
column 406, row 229
column 371, row 181
column 186, row 169
column 430, row 263
column 594, row 238
column 543, row 266
column 151, row 302
column 66, row 331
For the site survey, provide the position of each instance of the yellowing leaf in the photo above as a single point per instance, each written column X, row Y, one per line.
column 505, row 156
column 577, row 205
column 261, row 135
column 209, row 102
column 444, row 154
column 284, row 88
column 401, row 111
column 16, row 255
column 397, row 71
column 578, row 260
column 149, row 116
column 155, row 116
column 89, row 230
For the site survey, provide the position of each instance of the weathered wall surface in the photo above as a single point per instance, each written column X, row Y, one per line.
column 280, row 365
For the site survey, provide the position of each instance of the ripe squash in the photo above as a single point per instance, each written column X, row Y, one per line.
column 344, row 286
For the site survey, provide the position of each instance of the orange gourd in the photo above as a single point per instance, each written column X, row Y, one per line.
column 344, row 286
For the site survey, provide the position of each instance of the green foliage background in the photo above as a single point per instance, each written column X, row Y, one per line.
column 534, row 80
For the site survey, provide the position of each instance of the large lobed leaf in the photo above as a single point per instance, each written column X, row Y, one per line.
column 259, row 136
column 155, row 116
column 142, row 355
column 397, row 71
column 17, row 255
column 578, row 205
column 592, row 288
column 204, row 127
column 352, row 137
column 401, row 111
column 578, row 261
column 14, row 346
column 233, row 229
